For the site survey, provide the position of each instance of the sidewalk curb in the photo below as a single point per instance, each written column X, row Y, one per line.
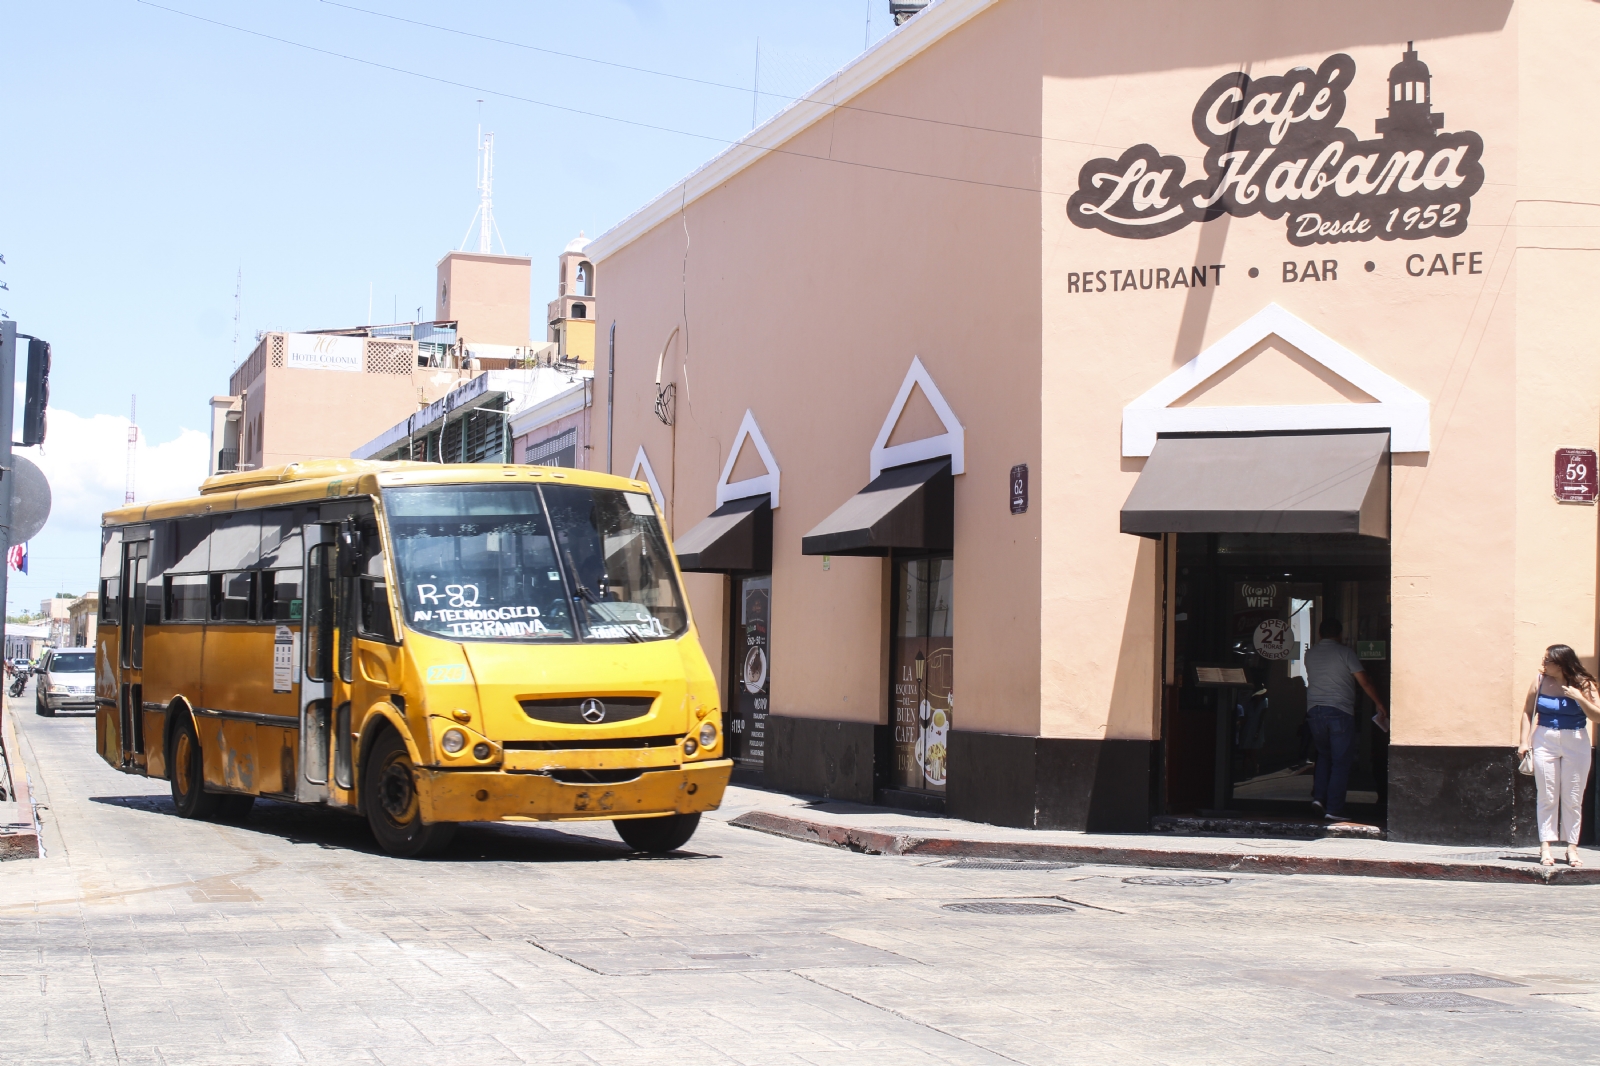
column 879, row 842
column 16, row 842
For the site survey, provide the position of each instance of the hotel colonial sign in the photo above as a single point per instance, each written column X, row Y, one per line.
column 1274, row 147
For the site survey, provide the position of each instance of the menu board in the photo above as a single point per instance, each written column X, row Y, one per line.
column 753, row 671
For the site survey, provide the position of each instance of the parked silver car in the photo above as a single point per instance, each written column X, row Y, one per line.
column 65, row 681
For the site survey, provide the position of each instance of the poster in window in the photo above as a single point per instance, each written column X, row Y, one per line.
column 752, row 670
column 283, row 660
column 923, row 698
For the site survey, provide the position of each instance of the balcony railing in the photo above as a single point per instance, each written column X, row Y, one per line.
column 227, row 460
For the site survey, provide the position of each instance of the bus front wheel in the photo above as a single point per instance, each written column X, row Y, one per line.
column 389, row 793
column 657, row 835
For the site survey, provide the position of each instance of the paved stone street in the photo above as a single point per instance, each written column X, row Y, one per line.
column 142, row 938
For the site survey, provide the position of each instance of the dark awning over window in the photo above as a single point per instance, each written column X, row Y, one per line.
column 1266, row 483
column 907, row 507
column 736, row 536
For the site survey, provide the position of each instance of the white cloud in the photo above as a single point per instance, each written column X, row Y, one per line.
column 86, row 462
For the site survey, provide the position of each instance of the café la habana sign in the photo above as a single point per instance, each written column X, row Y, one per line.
column 1274, row 147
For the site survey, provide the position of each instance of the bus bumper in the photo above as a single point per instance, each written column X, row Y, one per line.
column 492, row 796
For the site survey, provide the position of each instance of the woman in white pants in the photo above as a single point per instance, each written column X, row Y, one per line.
column 1553, row 727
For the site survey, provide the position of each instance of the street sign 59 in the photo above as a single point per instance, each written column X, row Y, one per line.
column 1576, row 478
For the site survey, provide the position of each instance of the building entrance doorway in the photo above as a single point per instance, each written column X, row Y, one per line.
column 1246, row 607
column 923, row 700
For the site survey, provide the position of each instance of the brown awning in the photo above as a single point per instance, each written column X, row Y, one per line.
column 1263, row 483
column 736, row 536
column 908, row 507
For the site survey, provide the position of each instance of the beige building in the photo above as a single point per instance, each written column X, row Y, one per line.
column 535, row 408
column 326, row 393
column 486, row 296
column 82, row 616
column 1085, row 358
column 572, row 314
column 56, row 613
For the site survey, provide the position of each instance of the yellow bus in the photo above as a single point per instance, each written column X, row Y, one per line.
column 424, row 644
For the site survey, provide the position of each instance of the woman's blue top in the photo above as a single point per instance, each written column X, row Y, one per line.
column 1560, row 712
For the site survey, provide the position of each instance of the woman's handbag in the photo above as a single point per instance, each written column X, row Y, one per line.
column 1525, row 764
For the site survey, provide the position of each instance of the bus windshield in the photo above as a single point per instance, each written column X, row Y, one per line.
column 533, row 563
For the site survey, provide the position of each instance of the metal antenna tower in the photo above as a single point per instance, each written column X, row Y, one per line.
column 485, row 190
column 483, row 217
column 238, row 299
column 133, row 446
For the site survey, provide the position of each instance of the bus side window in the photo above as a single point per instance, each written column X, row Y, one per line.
column 319, row 603
column 110, row 597
column 185, row 596
column 111, row 577
column 280, row 595
column 233, row 597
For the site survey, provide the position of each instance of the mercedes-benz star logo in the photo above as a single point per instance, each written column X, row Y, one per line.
column 592, row 710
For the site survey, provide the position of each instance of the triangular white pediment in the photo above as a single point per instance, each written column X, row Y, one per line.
column 753, row 486
column 951, row 442
column 1400, row 410
column 642, row 472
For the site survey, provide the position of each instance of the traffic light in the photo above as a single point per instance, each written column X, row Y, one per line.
column 38, row 397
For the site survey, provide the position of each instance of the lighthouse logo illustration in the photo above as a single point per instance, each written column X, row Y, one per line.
column 1274, row 147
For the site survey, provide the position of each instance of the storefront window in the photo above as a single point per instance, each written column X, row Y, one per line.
column 923, row 699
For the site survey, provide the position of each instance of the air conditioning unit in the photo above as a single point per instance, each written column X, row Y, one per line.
column 904, row 9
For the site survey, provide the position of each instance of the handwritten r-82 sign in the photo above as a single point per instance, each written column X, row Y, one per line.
column 1576, row 478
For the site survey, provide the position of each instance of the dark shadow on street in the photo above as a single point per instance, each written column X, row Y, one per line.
column 475, row 842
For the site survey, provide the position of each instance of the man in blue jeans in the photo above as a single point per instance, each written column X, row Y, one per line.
column 1332, row 674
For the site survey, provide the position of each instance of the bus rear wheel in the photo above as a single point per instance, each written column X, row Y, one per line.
column 389, row 793
column 186, row 768
column 657, row 835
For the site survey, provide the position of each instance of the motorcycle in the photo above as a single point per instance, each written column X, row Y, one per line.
column 18, row 683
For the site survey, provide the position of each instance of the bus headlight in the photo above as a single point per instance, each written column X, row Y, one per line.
column 453, row 740
column 708, row 735
column 480, row 751
column 690, row 747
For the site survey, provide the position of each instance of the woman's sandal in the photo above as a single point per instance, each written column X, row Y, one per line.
column 1572, row 858
column 1546, row 859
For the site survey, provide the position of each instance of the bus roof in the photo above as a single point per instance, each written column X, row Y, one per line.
column 324, row 478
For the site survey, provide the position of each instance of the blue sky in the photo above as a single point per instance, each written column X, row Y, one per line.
column 154, row 156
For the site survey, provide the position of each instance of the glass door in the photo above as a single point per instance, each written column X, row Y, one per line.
column 923, row 700
column 751, row 668
column 1247, row 608
column 316, row 671
column 135, row 575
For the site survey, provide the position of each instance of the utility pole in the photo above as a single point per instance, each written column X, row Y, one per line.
column 611, row 392
column 8, row 388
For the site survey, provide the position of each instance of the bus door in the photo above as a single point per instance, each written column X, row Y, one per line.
column 130, row 659
column 316, row 669
column 341, row 556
